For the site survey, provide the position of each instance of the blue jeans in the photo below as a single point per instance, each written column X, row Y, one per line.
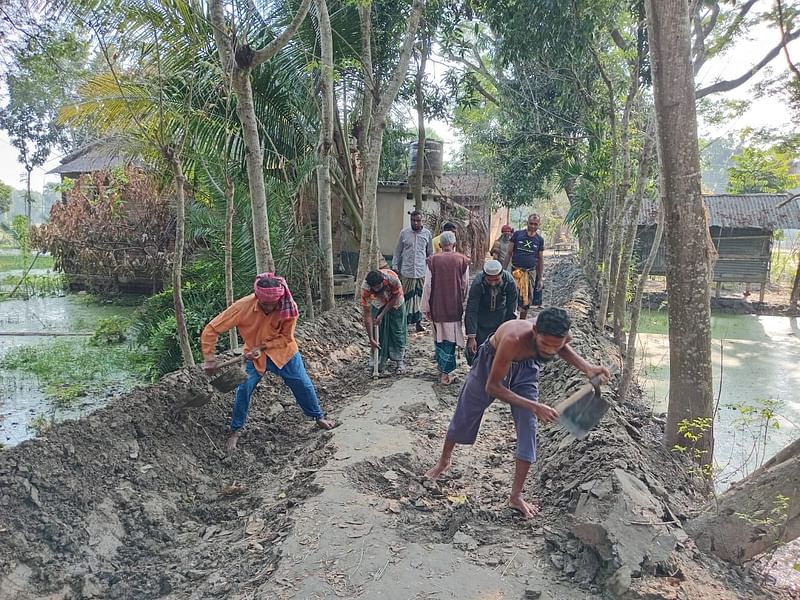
column 293, row 374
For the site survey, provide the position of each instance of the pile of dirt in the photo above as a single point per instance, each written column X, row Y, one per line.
column 132, row 503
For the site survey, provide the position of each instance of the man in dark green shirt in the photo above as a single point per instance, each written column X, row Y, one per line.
column 491, row 302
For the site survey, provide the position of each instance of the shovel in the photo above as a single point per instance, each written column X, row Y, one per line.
column 231, row 378
column 376, row 352
column 582, row 411
column 199, row 394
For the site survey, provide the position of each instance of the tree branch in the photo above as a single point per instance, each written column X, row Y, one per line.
column 618, row 39
column 702, row 32
column 216, row 16
column 485, row 93
column 400, row 70
column 279, row 42
column 782, row 26
column 725, row 38
column 730, row 84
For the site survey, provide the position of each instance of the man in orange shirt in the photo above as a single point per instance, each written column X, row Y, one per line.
column 266, row 320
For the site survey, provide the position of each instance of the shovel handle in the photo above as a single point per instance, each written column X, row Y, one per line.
column 237, row 359
column 376, row 332
column 230, row 362
column 612, row 368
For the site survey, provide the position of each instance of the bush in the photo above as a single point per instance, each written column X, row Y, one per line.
column 113, row 330
column 114, row 227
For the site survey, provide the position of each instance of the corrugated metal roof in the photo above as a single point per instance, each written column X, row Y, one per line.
column 759, row 211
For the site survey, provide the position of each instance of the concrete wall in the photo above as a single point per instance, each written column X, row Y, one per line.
column 393, row 209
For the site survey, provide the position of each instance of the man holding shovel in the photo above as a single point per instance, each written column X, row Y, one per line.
column 507, row 368
column 383, row 306
column 266, row 320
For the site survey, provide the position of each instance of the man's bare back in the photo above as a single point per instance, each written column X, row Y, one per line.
column 515, row 341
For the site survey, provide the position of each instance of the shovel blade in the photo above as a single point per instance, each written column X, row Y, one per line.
column 229, row 379
column 582, row 414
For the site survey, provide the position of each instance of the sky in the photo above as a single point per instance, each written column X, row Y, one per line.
column 764, row 112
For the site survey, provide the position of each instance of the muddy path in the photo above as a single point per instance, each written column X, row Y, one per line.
column 132, row 503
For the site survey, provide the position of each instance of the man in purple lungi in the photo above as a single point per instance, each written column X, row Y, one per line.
column 507, row 368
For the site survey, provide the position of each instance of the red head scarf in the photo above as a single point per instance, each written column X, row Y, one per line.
column 279, row 293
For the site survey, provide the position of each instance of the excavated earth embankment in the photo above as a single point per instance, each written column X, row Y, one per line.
column 133, row 502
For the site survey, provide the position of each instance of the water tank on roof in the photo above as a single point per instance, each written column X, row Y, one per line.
column 432, row 173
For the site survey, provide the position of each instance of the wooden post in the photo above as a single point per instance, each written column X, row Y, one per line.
column 761, row 294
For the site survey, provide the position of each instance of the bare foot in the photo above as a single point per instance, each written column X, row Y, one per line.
column 528, row 509
column 233, row 439
column 444, row 379
column 326, row 423
column 434, row 473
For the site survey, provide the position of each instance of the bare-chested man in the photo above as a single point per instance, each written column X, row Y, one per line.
column 507, row 368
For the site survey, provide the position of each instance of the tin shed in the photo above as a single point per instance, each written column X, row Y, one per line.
column 741, row 226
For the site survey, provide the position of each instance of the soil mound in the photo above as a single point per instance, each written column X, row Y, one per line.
column 132, row 503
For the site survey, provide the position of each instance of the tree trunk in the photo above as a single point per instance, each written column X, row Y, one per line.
column 325, row 146
column 629, row 237
column 375, row 109
column 620, row 204
column 177, row 263
column 369, row 240
column 636, row 311
column 688, row 257
column 238, row 70
column 755, row 514
column 420, row 99
column 607, row 252
column 246, row 111
column 233, row 338
column 794, row 297
column 28, row 199
column 346, row 183
column 309, row 293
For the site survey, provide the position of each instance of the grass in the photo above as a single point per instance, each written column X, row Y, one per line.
column 12, row 263
column 69, row 369
column 51, row 284
column 783, row 267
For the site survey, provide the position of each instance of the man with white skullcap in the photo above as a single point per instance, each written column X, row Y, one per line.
column 491, row 302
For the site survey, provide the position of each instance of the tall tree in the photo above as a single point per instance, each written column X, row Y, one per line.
column 324, row 150
column 419, row 97
column 375, row 106
column 5, row 197
column 689, row 258
column 239, row 60
column 44, row 70
column 759, row 171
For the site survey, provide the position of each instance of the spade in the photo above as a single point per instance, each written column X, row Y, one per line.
column 582, row 411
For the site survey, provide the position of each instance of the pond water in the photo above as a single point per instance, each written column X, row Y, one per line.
column 21, row 397
column 755, row 364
